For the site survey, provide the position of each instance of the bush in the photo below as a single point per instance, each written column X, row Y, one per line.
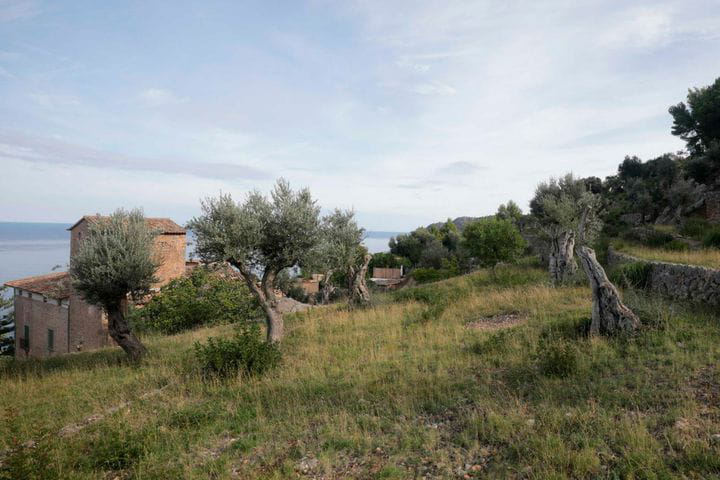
column 296, row 292
column 712, row 238
column 695, row 228
column 635, row 275
column 557, row 358
column 205, row 297
column 648, row 237
column 112, row 447
column 245, row 353
column 677, row 246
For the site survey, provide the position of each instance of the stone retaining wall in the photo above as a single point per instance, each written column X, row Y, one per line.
column 677, row 281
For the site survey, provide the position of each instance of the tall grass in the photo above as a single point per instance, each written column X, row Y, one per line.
column 706, row 257
column 368, row 394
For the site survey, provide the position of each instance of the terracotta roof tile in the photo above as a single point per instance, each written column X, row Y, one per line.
column 52, row 285
column 165, row 225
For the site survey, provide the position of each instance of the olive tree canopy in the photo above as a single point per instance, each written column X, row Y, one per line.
column 558, row 207
column 338, row 250
column 260, row 235
column 116, row 260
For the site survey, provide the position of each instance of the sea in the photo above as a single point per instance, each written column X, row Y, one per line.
column 28, row 249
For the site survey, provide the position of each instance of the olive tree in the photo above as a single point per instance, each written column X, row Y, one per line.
column 609, row 313
column 338, row 249
column 492, row 241
column 260, row 236
column 116, row 261
column 557, row 209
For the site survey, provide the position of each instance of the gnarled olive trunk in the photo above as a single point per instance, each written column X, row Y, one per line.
column 359, row 294
column 609, row 314
column 119, row 330
column 265, row 295
column 327, row 287
column 562, row 263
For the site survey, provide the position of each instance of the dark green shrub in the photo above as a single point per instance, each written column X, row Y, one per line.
column 695, row 228
column 557, row 358
column 112, row 447
column 296, row 292
column 205, row 297
column 427, row 275
column 648, row 237
column 245, row 353
column 635, row 275
column 677, row 245
column 712, row 238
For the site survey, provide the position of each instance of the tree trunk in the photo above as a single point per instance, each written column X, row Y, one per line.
column 562, row 262
column 275, row 325
column 327, row 287
column 265, row 295
column 609, row 314
column 359, row 294
column 119, row 330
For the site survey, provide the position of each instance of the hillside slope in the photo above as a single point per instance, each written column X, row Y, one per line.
column 478, row 376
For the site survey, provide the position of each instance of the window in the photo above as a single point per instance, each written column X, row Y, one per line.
column 51, row 339
column 26, row 331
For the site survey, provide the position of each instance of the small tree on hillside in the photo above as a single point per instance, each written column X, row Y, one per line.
column 557, row 209
column 261, row 236
column 339, row 247
column 116, row 260
column 492, row 241
column 509, row 211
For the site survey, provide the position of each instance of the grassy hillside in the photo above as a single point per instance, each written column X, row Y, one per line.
column 429, row 383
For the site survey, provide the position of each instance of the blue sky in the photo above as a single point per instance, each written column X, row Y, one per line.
column 407, row 111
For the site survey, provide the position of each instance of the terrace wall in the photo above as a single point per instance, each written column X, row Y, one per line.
column 676, row 281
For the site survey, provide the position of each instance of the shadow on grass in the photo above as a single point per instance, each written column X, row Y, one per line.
column 77, row 361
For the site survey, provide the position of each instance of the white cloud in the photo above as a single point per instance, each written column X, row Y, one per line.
column 433, row 89
column 18, row 9
column 157, row 97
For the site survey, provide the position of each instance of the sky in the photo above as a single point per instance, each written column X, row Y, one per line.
column 408, row 112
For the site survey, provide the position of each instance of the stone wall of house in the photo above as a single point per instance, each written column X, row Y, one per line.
column 87, row 329
column 677, row 281
column 40, row 316
column 171, row 250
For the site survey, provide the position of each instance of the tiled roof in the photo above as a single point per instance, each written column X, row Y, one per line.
column 52, row 285
column 164, row 225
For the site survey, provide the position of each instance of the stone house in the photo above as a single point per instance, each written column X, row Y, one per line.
column 52, row 319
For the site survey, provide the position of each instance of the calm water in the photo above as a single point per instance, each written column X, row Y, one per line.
column 28, row 249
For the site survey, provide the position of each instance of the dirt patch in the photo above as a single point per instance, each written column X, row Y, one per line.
column 495, row 322
column 706, row 388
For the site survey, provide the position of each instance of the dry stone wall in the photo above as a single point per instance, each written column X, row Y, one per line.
column 676, row 281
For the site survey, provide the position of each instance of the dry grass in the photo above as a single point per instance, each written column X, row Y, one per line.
column 400, row 390
column 707, row 257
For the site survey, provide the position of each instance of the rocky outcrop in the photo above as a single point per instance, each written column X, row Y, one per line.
column 676, row 281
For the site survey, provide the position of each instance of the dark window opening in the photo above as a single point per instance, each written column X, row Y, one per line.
column 51, row 339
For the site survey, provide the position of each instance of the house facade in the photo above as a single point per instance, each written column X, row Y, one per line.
column 52, row 319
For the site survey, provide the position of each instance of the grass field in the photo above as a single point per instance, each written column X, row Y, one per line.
column 401, row 390
column 706, row 257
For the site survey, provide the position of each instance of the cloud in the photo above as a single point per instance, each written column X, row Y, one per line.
column 433, row 89
column 157, row 97
column 459, row 168
column 18, row 9
column 43, row 150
